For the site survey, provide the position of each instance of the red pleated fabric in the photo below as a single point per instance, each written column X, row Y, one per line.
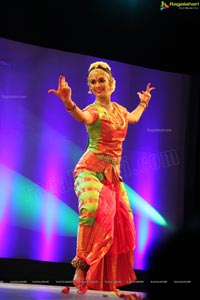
column 113, row 241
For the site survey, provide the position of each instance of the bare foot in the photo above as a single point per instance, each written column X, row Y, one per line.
column 116, row 291
column 79, row 278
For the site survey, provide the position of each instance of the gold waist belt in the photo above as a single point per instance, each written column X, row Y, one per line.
column 109, row 159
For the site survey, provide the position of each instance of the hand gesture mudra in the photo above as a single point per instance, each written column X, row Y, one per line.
column 145, row 96
column 64, row 91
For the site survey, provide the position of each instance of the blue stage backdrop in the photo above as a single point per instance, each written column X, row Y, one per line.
column 40, row 144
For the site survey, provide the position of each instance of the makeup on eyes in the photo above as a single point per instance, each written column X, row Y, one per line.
column 100, row 80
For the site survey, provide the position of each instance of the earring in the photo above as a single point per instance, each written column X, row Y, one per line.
column 89, row 92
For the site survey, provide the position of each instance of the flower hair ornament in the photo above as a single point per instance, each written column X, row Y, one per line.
column 100, row 65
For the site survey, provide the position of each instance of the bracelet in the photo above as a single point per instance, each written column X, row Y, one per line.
column 71, row 109
column 143, row 104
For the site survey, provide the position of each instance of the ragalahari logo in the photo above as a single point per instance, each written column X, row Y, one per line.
column 163, row 5
column 179, row 5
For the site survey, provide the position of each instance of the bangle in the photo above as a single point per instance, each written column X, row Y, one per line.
column 143, row 104
column 71, row 109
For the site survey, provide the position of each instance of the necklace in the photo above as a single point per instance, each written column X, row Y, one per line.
column 106, row 106
column 113, row 115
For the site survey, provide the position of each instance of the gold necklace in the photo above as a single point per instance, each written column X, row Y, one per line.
column 107, row 107
column 112, row 116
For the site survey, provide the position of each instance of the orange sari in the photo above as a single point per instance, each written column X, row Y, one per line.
column 106, row 233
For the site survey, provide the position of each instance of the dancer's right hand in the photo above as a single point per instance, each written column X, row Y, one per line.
column 63, row 91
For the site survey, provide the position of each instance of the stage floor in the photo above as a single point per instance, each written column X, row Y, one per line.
column 10, row 291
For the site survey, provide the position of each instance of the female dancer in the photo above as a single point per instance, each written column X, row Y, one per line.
column 106, row 234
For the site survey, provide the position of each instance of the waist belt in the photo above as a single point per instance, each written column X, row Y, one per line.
column 109, row 159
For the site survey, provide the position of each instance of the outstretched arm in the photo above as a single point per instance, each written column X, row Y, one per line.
column 64, row 92
column 145, row 96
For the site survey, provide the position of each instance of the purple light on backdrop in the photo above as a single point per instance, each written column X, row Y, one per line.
column 144, row 184
column 49, row 167
column 145, row 215
column 36, row 210
column 48, row 229
column 143, row 225
column 4, row 207
column 37, row 146
column 11, row 144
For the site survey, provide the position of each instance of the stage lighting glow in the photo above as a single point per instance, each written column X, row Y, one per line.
column 38, row 206
column 31, row 206
column 145, row 209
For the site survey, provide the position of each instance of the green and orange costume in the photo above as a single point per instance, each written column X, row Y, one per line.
column 106, row 232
